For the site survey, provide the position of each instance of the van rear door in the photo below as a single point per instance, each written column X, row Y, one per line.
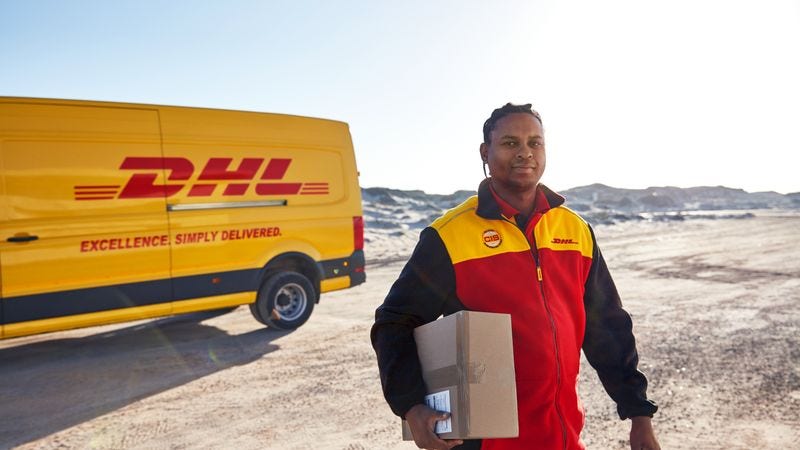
column 85, row 228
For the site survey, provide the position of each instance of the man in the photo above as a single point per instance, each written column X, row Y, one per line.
column 545, row 270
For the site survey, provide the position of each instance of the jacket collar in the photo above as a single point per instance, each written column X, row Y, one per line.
column 488, row 208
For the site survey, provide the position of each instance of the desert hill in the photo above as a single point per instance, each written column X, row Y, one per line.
column 394, row 217
column 395, row 208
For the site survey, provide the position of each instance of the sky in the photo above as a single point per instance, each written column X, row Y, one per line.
column 632, row 93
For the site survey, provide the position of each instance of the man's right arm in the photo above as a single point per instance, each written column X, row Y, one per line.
column 424, row 290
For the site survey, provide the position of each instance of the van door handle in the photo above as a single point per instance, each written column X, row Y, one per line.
column 26, row 238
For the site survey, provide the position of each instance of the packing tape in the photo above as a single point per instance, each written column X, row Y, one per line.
column 449, row 376
column 462, row 353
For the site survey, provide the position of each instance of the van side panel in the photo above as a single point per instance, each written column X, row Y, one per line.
column 297, row 171
column 79, row 249
column 114, row 212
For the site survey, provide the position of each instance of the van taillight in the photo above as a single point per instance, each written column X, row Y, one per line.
column 358, row 232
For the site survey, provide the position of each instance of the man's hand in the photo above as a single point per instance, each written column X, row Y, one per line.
column 422, row 420
column 642, row 435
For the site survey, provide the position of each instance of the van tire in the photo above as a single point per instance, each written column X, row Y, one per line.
column 256, row 314
column 285, row 301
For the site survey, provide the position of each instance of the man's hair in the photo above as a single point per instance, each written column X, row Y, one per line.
column 503, row 111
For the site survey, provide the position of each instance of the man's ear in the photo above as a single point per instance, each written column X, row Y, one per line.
column 484, row 152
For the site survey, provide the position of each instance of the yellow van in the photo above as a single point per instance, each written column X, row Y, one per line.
column 113, row 212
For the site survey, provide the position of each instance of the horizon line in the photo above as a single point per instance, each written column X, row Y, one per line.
column 599, row 185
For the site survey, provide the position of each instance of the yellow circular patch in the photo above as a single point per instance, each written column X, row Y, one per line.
column 492, row 238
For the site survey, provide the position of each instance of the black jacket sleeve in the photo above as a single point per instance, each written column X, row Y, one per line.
column 609, row 344
column 424, row 291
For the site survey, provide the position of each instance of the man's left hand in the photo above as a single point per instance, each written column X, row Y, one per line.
column 642, row 435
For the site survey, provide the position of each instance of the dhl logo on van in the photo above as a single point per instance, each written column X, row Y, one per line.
column 216, row 171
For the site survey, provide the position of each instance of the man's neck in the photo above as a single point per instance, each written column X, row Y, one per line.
column 522, row 201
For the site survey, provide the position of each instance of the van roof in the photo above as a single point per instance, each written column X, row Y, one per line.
column 105, row 103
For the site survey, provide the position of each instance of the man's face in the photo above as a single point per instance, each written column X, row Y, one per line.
column 515, row 153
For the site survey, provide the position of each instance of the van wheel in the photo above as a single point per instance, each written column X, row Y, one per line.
column 256, row 314
column 285, row 301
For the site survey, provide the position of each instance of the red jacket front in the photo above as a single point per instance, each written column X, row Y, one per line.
column 554, row 284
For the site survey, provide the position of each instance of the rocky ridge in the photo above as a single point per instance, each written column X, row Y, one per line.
column 399, row 215
column 395, row 208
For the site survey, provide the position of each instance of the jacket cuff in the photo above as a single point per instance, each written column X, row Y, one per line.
column 401, row 405
column 647, row 408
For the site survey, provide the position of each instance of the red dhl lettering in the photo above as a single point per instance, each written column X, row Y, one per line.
column 102, row 245
column 178, row 171
column 198, row 237
column 563, row 241
column 250, row 233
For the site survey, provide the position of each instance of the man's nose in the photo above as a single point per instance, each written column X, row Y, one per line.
column 525, row 152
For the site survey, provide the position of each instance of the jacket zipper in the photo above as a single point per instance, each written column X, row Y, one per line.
column 535, row 253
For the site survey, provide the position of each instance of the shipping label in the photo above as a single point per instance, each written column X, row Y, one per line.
column 440, row 401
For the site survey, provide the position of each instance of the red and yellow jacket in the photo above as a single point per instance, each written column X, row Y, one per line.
column 550, row 276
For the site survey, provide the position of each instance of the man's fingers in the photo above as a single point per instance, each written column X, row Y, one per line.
column 440, row 444
column 434, row 442
column 441, row 416
column 422, row 421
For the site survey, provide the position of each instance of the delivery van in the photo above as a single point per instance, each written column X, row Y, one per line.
column 114, row 212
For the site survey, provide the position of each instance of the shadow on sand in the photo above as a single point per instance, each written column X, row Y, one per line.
column 49, row 386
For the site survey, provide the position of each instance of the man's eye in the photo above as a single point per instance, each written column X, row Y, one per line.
column 536, row 144
column 510, row 144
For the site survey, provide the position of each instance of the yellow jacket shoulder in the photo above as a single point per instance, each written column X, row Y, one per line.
column 468, row 205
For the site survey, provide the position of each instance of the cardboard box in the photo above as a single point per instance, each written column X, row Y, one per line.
column 468, row 366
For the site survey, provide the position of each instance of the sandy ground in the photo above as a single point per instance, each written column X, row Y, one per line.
column 715, row 309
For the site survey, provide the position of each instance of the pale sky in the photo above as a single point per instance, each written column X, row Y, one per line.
column 632, row 93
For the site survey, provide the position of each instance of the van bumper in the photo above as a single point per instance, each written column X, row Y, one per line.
column 352, row 267
column 357, row 273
